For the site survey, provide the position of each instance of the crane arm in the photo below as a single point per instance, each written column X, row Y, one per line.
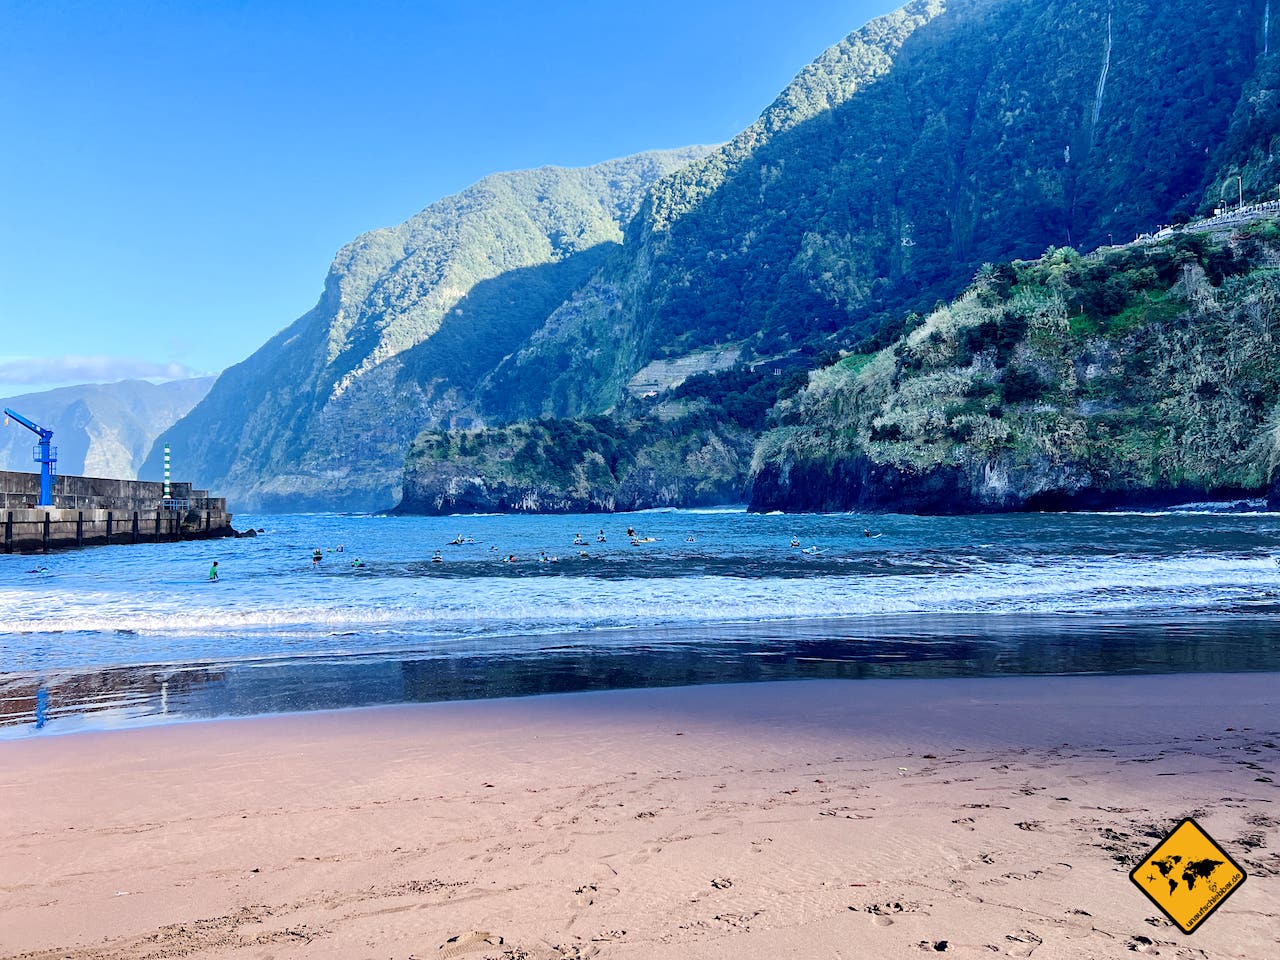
column 40, row 431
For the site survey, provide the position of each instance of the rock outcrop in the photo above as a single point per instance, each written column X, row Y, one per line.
column 1141, row 376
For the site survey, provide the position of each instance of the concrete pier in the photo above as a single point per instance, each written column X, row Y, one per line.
column 92, row 511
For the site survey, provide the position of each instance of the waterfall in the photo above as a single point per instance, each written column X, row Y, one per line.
column 1102, row 77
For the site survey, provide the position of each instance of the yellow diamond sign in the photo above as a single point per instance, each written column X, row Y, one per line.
column 1188, row 876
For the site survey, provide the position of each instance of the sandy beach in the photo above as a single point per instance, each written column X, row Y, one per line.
column 839, row 819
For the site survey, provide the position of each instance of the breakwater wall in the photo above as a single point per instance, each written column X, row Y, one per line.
column 91, row 511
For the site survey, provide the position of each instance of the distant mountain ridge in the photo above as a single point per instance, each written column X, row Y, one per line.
column 100, row 429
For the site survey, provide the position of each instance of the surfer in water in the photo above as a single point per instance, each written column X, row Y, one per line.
column 213, row 571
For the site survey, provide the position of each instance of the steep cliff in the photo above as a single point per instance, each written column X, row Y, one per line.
column 600, row 465
column 1146, row 374
column 946, row 135
column 932, row 140
column 411, row 318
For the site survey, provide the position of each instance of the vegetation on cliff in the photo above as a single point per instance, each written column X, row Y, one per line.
column 946, row 135
column 1136, row 374
column 411, row 318
column 684, row 450
column 939, row 137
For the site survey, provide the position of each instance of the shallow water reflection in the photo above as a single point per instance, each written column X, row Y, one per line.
column 931, row 646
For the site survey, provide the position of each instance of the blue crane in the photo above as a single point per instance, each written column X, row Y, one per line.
column 44, row 454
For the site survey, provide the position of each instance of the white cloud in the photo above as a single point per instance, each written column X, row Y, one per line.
column 70, row 370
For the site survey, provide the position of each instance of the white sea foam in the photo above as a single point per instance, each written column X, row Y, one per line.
column 467, row 605
column 132, row 605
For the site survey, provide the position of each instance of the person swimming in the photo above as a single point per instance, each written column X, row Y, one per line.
column 436, row 558
column 600, row 537
column 578, row 541
column 357, row 562
column 795, row 541
column 213, row 571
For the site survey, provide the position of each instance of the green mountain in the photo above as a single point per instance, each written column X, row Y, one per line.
column 932, row 140
column 411, row 318
column 928, row 143
column 1140, row 375
column 100, row 429
column 683, row 298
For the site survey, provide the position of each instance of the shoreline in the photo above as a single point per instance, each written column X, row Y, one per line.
column 78, row 699
column 797, row 818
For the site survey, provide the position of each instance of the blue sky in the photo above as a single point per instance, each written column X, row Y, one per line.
column 176, row 177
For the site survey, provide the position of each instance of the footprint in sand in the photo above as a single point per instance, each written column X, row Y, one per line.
column 737, row 919
column 574, row 952
column 882, row 914
column 1078, row 923
column 589, row 893
column 607, row 936
column 1023, row 943
column 468, row 942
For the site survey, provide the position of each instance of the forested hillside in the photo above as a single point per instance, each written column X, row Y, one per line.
column 935, row 140
column 1141, row 375
column 322, row 415
column 932, row 140
column 949, row 134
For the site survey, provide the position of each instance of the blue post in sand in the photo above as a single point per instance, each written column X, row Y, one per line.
column 46, row 455
column 42, row 707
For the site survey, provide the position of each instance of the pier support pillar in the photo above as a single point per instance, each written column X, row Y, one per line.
column 8, row 532
column 80, row 528
column 110, row 518
column 135, row 526
column 45, row 537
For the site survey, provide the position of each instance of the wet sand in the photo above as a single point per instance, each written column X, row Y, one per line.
column 842, row 819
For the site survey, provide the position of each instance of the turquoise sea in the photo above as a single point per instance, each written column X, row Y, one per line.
column 118, row 636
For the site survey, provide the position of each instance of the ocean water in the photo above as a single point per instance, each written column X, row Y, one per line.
column 126, row 635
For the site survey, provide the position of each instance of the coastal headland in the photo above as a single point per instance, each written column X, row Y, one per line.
column 992, row 817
